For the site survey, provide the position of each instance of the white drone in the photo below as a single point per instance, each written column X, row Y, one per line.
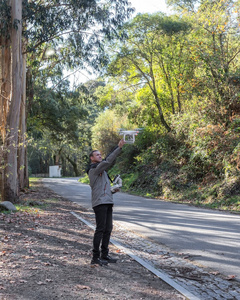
column 129, row 135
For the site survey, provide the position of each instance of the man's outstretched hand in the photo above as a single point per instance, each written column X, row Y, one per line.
column 121, row 143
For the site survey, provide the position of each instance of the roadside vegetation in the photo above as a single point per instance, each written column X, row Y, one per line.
column 170, row 169
column 177, row 78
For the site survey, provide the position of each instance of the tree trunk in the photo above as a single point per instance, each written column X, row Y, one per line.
column 179, row 98
column 5, row 85
column 5, row 90
column 163, row 121
column 169, row 84
column 64, row 169
column 22, row 163
column 29, row 90
column 157, row 102
column 74, row 165
column 11, row 188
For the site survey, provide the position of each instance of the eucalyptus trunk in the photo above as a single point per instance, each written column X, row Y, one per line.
column 22, row 145
column 11, row 184
column 5, row 84
column 5, row 91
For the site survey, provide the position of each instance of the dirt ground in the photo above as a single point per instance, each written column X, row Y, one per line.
column 45, row 254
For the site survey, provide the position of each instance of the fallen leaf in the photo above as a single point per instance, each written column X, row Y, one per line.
column 41, row 283
column 27, row 257
column 94, row 266
column 83, row 287
column 215, row 273
column 119, row 251
column 231, row 277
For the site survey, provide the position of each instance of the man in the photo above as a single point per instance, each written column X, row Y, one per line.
column 102, row 203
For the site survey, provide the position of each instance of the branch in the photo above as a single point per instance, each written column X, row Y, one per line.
column 48, row 7
column 4, row 97
column 233, row 57
column 53, row 88
column 61, row 34
column 143, row 74
column 130, row 86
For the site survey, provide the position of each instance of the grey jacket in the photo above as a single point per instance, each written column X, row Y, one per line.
column 99, row 181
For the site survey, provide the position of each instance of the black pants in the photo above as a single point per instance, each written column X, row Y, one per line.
column 104, row 225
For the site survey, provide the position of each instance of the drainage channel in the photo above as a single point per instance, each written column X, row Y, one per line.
column 145, row 264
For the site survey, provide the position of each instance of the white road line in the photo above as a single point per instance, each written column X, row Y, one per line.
column 145, row 264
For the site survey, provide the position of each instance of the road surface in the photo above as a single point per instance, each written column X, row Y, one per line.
column 211, row 237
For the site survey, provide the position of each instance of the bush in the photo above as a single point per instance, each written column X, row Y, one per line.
column 165, row 147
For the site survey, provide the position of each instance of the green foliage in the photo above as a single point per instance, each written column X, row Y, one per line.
column 129, row 180
column 58, row 112
column 215, row 29
column 70, row 24
column 166, row 146
column 40, row 156
column 105, row 134
column 84, row 179
column 146, row 138
column 128, row 157
column 198, row 162
column 59, row 125
column 154, row 65
column 5, row 18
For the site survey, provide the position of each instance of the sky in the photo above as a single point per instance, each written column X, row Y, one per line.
column 141, row 6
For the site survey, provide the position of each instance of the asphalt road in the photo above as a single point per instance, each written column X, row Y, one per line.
column 212, row 238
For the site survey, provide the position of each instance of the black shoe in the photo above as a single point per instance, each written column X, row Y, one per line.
column 99, row 261
column 109, row 259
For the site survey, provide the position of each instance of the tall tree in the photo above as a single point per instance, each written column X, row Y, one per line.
column 216, row 47
column 154, row 57
column 13, row 116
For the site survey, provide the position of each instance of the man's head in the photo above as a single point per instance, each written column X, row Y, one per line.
column 95, row 156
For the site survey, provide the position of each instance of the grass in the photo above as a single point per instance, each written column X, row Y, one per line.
column 34, row 179
column 84, row 179
column 29, row 209
column 23, row 208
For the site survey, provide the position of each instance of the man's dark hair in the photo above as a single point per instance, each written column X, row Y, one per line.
column 91, row 153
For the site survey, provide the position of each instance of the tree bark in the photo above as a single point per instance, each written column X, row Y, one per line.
column 5, row 90
column 11, row 188
column 22, row 163
column 74, row 165
column 179, row 98
column 5, row 84
column 163, row 121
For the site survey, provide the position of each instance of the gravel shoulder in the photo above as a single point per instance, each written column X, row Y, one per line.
column 45, row 253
